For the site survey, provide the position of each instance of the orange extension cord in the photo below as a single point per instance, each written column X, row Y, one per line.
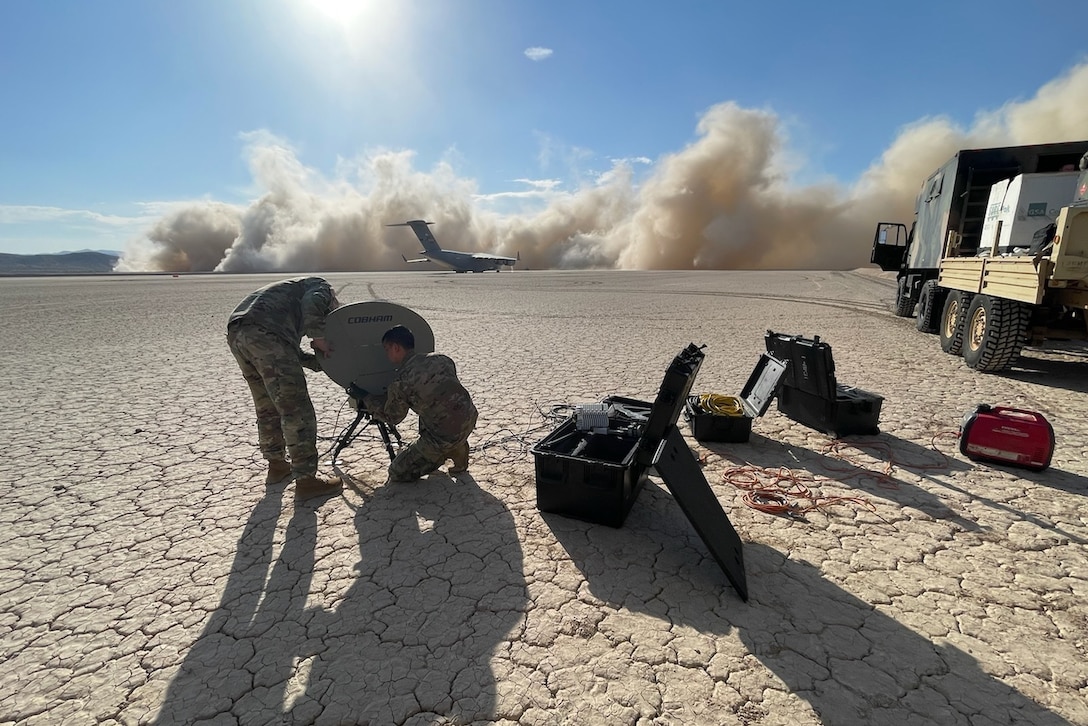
column 785, row 492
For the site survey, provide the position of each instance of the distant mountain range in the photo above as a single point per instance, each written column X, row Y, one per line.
column 64, row 263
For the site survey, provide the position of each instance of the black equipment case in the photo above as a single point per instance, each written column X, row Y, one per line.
column 755, row 399
column 810, row 395
column 595, row 476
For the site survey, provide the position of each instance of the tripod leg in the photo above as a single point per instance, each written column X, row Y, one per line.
column 383, row 428
column 348, row 435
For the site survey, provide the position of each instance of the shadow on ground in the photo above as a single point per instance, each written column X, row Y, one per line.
column 1067, row 373
column 439, row 584
column 855, row 664
column 857, row 471
column 862, row 465
column 851, row 662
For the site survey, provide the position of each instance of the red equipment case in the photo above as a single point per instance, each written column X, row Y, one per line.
column 1005, row 435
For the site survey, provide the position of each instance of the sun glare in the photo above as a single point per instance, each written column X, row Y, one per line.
column 362, row 48
column 345, row 12
column 367, row 31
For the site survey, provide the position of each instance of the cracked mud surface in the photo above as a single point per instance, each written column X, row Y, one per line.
column 148, row 576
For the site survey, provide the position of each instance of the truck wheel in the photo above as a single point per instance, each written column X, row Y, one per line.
column 929, row 307
column 995, row 331
column 904, row 306
column 951, row 323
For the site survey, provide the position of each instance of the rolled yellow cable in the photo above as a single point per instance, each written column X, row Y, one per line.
column 721, row 405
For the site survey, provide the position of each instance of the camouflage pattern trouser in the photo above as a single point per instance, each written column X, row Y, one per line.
column 285, row 414
column 429, row 452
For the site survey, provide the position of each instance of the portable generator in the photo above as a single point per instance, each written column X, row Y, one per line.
column 1005, row 435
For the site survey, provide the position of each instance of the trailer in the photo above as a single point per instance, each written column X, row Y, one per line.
column 997, row 256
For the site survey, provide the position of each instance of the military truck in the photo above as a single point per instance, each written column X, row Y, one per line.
column 997, row 255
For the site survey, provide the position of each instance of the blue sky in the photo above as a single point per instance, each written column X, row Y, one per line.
column 115, row 112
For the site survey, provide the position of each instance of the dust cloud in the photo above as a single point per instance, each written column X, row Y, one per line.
column 726, row 201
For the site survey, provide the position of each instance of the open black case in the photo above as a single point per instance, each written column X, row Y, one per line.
column 811, row 395
column 595, row 475
column 755, row 398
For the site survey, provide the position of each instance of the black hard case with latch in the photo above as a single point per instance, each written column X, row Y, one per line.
column 810, row 393
column 755, row 399
column 596, row 477
column 592, row 476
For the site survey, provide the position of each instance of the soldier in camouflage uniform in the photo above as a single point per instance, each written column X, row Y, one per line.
column 428, row 385
column 264, row 333
column 1082, row 180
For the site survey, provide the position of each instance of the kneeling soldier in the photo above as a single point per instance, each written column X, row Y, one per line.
column 428, row 385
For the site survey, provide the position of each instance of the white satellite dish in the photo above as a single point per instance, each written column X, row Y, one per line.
column 354, row 332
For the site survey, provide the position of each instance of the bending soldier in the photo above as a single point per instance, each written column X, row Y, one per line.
column 428, row 385
column 264, row 333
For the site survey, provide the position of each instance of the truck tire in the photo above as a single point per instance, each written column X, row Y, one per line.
column 930, row 300
column 904, row 306
column 995, row 331
column 950, row 326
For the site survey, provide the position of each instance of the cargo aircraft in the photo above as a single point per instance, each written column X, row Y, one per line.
column 456, row 261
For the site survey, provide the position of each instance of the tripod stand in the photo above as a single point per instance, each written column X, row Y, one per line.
column 352, row 432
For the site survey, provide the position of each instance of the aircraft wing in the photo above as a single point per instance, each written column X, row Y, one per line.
column 422, row 259
column 496, row 258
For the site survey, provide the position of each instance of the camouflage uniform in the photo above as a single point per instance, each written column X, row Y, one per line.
column 1082, row 180
column 428, row 385
column 264, row 333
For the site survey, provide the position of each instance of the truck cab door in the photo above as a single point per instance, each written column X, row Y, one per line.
column 889, row 245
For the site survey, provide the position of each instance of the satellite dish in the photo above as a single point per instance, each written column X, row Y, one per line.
column 354, row 332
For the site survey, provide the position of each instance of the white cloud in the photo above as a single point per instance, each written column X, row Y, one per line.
column 530, row 194
column 537, row 53
column 26, row 214
column 540, row 190
column 155, row 210
column 544, row 184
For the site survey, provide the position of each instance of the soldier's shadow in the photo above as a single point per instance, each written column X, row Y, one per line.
column 851, row 662
column 438, row 586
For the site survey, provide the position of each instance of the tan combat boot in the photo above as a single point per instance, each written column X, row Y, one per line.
column 308, row 486
column 278, row 471
column 460, row 459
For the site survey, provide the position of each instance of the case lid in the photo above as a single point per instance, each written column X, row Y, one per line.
column 684, row 477
column 811, row 367
column 671, row 397
column 762, row 385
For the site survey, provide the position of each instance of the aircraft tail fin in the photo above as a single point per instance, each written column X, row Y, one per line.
column 430, row 244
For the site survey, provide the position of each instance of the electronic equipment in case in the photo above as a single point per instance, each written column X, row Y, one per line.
column 595, row 476
column 590, row 474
